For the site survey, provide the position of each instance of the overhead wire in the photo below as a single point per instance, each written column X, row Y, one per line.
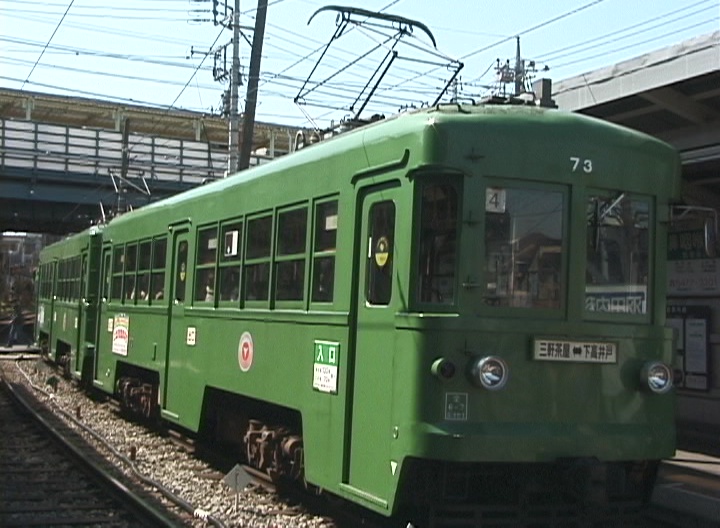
column 113, row 75
column 647, row 41
column 47, row 43
column 101, row 54
column 506, row 39
column 87, row 93
column 551, row 54
column 425, row 89
column 410, row 85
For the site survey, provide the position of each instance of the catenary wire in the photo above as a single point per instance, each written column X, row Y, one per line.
column 47, row 43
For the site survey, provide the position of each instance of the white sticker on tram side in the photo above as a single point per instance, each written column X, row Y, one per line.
column 121, row 334
column 191, row 337
column 326, row 366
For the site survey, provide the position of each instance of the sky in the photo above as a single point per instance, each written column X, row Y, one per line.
column 161, row 52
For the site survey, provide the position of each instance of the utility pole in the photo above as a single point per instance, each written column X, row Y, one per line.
column 124, row 164
column 234, row 121
column 253, row 80
column 519, row 69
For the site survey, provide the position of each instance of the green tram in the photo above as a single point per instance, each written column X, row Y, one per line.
column 461, row 307
column 66, row 285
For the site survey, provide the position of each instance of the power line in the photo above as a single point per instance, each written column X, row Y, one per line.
column 103, row 54
column 46, row 44
column 623, row 48
column 106, row 30
column 533, row 28
column 594, row 42
column 87, row 93
column 113, row 75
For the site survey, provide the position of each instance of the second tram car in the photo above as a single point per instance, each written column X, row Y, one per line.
column 460, row 308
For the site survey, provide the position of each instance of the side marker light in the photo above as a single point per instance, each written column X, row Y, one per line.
column 443, row 369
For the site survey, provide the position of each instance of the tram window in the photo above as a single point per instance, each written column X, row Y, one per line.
column 69, row 279
column 323, row 279
column 157, row 277
column 205, row 285
column 130, row 268
column 207, row 246
column 323, row 272
column 292, row 231
column 117, row 272
column 143, row 276
column 66, row 280
column 181, row 271
column 159, row 252
column 380, row 262
column 523, row 248
column 130, row 257
column 617, row 264
column 73, row 281
column 205, row 268
column 118, row 259
column 290, row 268
column 257, row 280
column 326, row 220
column 61, row 279
column 230, row 262
column 257, row 259
column 145, row 254
column 79, row 274
column 290, row 279
column 106, row 272
column 230, row 283
column 438, row 243
column 259, row 237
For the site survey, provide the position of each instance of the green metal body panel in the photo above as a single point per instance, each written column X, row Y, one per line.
column 387, row 406
column 69, row 321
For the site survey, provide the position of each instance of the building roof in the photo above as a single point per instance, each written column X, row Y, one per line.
column 672, row 93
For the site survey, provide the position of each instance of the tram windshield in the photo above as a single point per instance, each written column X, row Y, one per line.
column 617, row 265
column 523, row 248
column 438, row 243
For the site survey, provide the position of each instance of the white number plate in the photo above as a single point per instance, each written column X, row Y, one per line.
column 577, row 351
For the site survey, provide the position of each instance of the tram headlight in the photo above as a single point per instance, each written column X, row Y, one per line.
column 656, row 377
column 489, row 372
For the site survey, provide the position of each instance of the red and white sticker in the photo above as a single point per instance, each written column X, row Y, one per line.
column 246, row 351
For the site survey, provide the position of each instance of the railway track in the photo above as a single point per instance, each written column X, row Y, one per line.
column 50, row 481
column 260, row 509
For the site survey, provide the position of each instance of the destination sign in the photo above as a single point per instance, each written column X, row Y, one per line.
column 576, row 351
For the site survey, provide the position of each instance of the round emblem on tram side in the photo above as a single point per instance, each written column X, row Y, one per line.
column 246, row 350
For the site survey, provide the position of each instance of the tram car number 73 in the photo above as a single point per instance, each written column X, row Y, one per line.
column 461, row 306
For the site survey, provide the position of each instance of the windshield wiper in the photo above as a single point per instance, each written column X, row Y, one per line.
column 609, row 209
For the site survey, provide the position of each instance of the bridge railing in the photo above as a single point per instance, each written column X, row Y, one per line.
column 42, row 147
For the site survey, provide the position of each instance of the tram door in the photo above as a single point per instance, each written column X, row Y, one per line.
column 369, row 466
column 83, row 306
column 178, row 285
